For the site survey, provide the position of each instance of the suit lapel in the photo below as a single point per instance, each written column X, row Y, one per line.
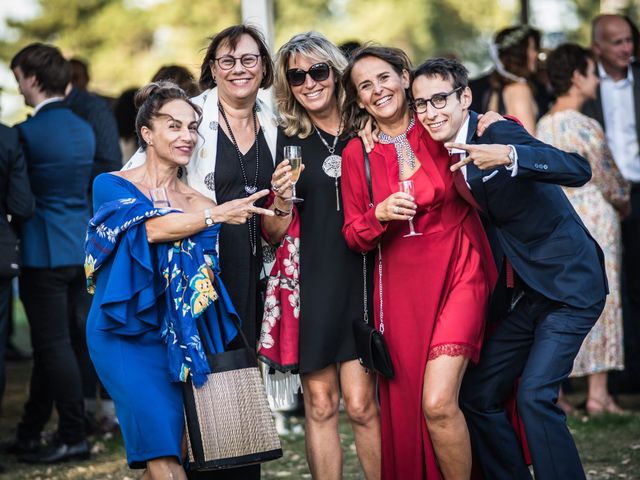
column 474, row 174
column 599, row 115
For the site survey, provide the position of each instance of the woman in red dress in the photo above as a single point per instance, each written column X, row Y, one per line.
column 435, row 286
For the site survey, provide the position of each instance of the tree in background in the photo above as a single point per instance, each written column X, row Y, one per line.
column 126, row 41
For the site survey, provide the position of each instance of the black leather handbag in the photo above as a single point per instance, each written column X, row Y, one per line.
column 370, row 344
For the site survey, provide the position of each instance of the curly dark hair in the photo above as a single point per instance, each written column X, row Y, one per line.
column 231, row 36
column 563, row 61
column 151, row 98
column 353, row 116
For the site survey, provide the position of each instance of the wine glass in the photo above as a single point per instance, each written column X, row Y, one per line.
column 406, row 186
column 293, row 153
column 159, row 197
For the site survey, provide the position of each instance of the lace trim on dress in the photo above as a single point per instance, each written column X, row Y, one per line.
column 454, row 350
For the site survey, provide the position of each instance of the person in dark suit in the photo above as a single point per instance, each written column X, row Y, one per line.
column 95, row 110
column 617, row 109
column 59, row 148
column 552, row 286
column 16, row 200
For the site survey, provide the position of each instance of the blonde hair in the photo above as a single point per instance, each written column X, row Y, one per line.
column 293, row 117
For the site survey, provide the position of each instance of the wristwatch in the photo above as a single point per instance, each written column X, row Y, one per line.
column 207, row 218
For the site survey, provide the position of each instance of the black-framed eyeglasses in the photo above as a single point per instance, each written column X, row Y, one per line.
column 318, row 72
column 438, row 101
column 227, row 62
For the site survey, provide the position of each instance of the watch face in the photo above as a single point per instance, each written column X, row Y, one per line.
column 208, row 221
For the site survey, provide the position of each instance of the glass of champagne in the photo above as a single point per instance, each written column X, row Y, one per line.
column 406, row 186
column 293, row 153
column 159, row 197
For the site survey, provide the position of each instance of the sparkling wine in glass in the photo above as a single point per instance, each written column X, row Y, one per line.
column 293, row 153
column 406, row 186
column 159, row 197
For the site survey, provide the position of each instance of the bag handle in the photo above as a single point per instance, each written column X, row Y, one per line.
column 236, row 324
column 367, row 172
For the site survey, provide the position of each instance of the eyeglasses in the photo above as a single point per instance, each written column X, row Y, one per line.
column 318, row 72
column 438, row 101
column 227, row 62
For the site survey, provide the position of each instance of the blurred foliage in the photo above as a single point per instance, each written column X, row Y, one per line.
column 126, row 41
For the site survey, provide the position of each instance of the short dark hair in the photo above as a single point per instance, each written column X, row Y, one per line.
column 151, row 98
column 179, row 75
column 79, row 73
column 50, row 68
column 562, row 62
column 445, row 68
column 231, row 36
column 353, row 116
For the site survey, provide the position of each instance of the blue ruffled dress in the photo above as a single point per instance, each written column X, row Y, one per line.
column 153, row 308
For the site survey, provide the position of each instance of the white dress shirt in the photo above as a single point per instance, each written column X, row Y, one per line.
column 620, row 122
column 46, row 102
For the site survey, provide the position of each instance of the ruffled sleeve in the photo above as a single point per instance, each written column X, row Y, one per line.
column 117, row 235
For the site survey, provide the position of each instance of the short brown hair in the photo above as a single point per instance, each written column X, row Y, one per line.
column 231, row 35
column 561, row 64
column 48, row 65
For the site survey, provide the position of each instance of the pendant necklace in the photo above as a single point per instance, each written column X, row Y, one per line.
column 248, row 189
column 332, row 165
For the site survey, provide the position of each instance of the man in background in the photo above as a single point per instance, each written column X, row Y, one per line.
column 617, row 109
column 59, row 148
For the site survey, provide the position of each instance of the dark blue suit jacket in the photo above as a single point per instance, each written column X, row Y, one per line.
column 59, row 147
column 532, row 222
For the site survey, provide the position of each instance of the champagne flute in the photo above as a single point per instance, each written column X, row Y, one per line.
column 293, row 153
column 406, row 186
column 159, row 197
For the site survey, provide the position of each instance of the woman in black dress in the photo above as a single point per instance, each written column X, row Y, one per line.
column 309, row 98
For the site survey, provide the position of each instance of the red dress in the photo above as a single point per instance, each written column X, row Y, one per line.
column 435, row 286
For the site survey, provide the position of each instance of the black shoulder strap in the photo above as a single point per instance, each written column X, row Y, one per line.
column 367, row 172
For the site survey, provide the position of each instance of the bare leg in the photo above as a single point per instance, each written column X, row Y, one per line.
column 358, row 391
column 321, row 402
column 599, row 400
column 446, row 423
column 164, row 468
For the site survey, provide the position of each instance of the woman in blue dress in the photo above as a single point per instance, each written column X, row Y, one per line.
column 157, row 292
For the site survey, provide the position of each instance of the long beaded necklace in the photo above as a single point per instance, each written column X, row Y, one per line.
column 332, row 165
column 403, row 149
column 248, row 189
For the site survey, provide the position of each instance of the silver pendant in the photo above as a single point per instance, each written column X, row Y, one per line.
column 250, row 189
column 332, row 166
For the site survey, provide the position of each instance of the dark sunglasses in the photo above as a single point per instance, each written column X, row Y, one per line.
column 318, row 72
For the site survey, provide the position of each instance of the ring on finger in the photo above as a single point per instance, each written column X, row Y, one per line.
column 275, row 187
column 396, row 210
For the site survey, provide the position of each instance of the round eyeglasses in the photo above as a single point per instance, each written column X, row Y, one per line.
column 437, row 101
column 318, row 72
column 227, row 62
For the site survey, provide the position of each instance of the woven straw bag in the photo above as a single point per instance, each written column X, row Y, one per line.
column 229, row 423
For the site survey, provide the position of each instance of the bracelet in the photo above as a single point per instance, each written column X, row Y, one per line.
column 281, row 213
